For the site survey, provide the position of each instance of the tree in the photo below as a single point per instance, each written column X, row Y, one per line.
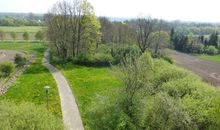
column 2, row 35
column 144, row 29
column 213, row 40
column 160, row 40
column 71, row 27
column 39, row 36
column 26, row 36
column 13, row 35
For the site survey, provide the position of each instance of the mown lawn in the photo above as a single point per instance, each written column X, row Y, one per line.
column 30, row 86
column 88, row 82
column 215, row 58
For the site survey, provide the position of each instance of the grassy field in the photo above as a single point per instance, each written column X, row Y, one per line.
column 88, row 82
column 30, row 86
column 215, row 58
column 20, row 29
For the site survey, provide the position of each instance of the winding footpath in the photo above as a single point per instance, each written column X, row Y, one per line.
column 70, row 111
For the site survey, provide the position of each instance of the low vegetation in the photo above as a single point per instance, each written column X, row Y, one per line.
column 29, row 87
column 6, row 68
column 27, row 116
column 215, row 58
column 164, row 97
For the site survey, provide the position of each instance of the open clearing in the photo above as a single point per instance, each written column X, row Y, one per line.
column 208, row 70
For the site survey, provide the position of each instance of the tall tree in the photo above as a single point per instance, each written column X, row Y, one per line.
column 144, row 29
column 72, row 26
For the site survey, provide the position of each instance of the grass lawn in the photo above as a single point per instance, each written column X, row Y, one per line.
column 30, row 86
column 215, row 58
column 88, row 82
column 20, row 29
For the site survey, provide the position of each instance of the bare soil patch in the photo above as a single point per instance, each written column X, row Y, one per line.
column 6, row 55
column 209, row 71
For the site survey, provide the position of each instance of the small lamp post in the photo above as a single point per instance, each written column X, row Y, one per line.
column 46, row 88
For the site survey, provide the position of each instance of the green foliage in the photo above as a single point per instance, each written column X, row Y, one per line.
column 9, row 21
column 19, row 60
column 168, row 59
column 27, row 116
column 13, row 35
column 169, row 98
column 39, row 35
column 211, row 50
column 6, row 68
column 2, row 35
column 26, row 36
column 29, row 87
column 120, row 51
column 167, row 113
column 87, row 83
column 215, row 58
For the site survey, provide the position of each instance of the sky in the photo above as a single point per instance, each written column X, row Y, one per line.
column 186, row 10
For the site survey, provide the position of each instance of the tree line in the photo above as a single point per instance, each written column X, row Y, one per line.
column 10, row 21
column 195, row 44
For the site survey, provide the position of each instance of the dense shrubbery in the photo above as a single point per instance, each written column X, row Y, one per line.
column 157, row 95
column 27, row 116
column 211, row 50
column 19, row 60
column 6, row 68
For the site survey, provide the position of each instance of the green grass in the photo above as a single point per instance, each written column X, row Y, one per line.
column 22, row 46
column 88, row 82
column 30, row 86
column 215, row 58
column 20, row 29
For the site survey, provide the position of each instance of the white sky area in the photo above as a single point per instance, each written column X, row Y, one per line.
column 186, row 10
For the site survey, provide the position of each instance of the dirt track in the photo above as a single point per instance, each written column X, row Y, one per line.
column 209, row 71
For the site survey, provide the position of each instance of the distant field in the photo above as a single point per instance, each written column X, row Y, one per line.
column 30, row 86
column 20, row 29
column 215, row 58
column 32, row 30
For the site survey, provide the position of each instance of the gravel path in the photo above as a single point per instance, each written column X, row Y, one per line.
column 209, row 71
column 70, row 111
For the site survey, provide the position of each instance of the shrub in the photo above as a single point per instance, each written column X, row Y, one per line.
column 26, row 36
column 39, row 35
column 168, row 59
column 211, row 50
column 168, row 114
column 119, row 52
column 19, row 60
column 13, row 35
column 27, row 116
column 197, row 48
column 6, row 68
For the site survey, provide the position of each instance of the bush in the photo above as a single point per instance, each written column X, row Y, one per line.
column 39, row 35
column 6, row 68
column 168, row 59
column 19, row 60
column 27, row 116
column 211, row 50
column 119, row 52
column 197, row 48
column 26, row 36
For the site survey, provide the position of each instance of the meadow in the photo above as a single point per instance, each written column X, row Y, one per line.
column 30, row 86
column 215, row 58
column 89, row 82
